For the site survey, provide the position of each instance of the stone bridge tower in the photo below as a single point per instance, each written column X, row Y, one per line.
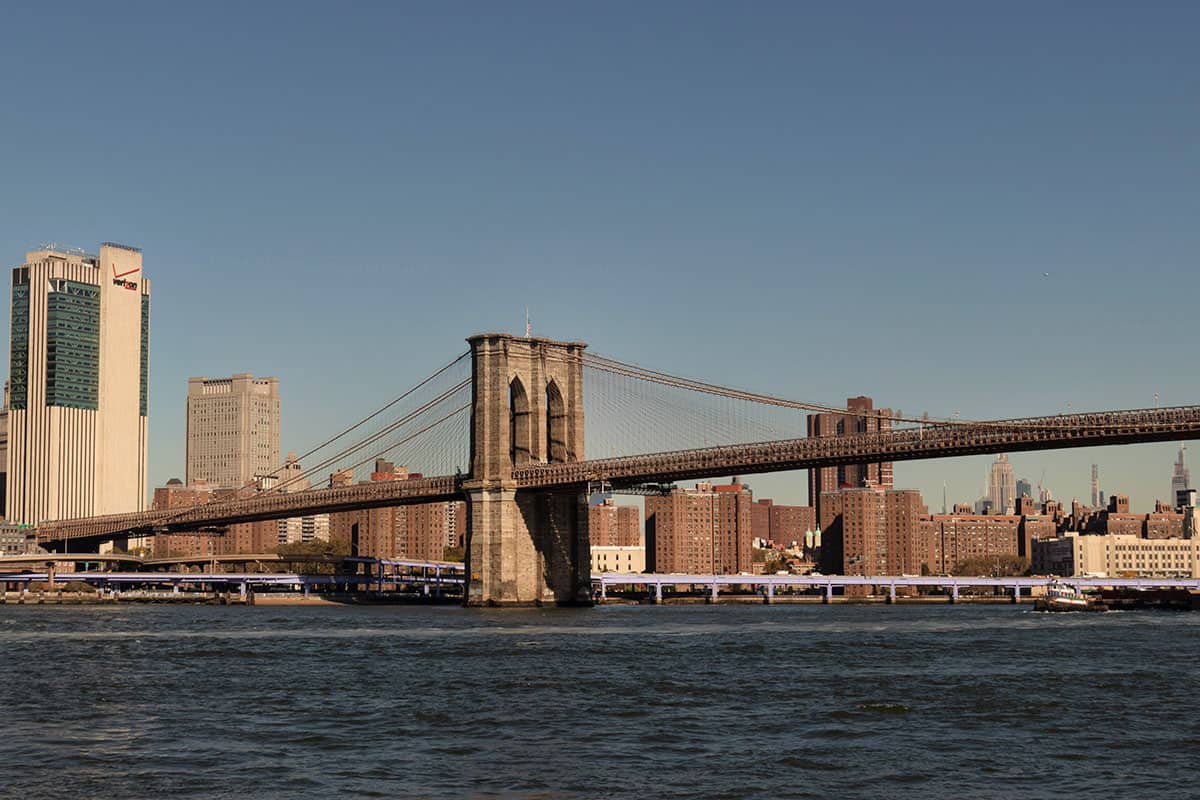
column 525, row 547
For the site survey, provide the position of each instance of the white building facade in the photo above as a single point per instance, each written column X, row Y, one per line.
column 1117, row 556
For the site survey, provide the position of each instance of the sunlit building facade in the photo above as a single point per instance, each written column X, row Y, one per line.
column 79, row 349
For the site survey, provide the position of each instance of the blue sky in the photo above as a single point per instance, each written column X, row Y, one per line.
column 814, row 200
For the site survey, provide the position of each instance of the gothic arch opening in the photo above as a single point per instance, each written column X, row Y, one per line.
column 556, row 424
column 520, row 423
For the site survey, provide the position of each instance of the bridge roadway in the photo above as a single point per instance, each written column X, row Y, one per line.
column 925, row 442
column 939, row 440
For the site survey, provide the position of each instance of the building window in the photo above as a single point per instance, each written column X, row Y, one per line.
column 144, row 363
column 73, row 346
column 18, row 368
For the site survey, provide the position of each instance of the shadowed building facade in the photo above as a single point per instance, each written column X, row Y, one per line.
column 872, row 531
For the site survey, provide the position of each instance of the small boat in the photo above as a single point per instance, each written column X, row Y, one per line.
column 1064, row 597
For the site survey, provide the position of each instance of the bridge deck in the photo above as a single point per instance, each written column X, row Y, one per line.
column 931, row 441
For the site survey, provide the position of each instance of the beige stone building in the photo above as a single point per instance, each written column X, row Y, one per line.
column 232, row 430
column 1117, row 556
column 618, row 559
column 79, row 368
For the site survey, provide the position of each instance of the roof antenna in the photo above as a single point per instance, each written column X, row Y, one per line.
column 527, row 328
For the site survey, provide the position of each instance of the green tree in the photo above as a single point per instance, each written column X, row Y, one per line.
column 314, row 548
column 317, row 549
column 1000, row 566
column 773, row 560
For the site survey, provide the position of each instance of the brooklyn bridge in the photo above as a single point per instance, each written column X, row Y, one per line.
column 502, row 427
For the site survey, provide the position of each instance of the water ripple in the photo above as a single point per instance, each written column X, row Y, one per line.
column 754, row 701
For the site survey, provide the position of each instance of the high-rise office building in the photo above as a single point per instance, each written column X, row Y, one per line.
column 1002, row 486
column 232, row 430
column 861, row 416
column 1181, row 480
column 1024, row 488
column 79, row 352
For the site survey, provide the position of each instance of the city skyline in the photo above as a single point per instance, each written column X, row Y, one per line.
column 543, row 290
column 581, row 204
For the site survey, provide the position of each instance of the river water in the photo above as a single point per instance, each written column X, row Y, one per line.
column 612, row 702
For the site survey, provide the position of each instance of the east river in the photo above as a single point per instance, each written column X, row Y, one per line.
column 612, row 702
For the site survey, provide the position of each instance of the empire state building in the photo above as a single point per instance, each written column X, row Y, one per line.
column 1182, row 479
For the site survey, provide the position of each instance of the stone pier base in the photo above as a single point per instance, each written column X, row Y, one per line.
column 526, row 548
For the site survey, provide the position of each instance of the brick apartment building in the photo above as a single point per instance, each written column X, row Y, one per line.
column 861, row 416
column 781, row 524
column 703, row 530
column 611, row 525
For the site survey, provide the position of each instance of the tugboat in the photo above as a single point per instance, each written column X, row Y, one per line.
column 1064, row 597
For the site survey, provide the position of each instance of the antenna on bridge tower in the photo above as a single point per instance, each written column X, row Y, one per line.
column 528, row 329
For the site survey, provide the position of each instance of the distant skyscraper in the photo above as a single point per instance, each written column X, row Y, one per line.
column 1182, row 479
column 79, row 361
column 861, row 416
column 232, row 429
column 1002, row 487
column 1095, row 486
column 1024, row 488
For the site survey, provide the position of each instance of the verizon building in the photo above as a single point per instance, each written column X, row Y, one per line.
column 79, row 359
